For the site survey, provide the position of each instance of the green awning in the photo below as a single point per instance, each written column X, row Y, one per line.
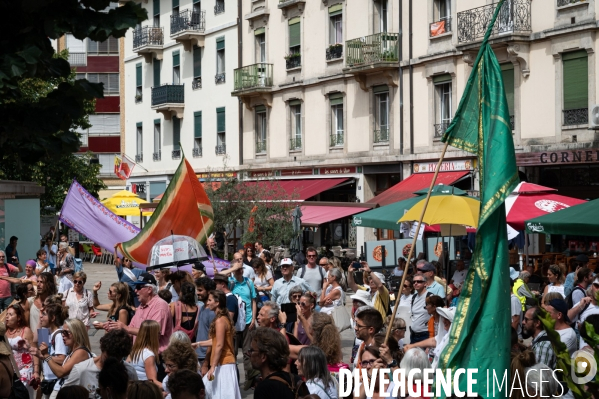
column 577, row 220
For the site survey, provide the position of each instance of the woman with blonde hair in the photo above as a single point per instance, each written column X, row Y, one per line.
column 80, row 300
column 119, row 309
column 263, row 280
column 326, row 337
column 144, row 354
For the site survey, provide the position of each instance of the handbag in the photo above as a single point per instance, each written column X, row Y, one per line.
column 18, row 390
column 47, row 386
column 341, row 318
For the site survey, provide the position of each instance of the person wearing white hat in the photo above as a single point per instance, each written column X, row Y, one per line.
column 379, row 295
column 281, row 287
column 439, row 341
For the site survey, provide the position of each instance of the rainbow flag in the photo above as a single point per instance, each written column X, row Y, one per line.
column 184, row 210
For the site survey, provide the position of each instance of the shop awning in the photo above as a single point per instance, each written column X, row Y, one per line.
column 406, row 188
column 305, row 188
column 313, row 216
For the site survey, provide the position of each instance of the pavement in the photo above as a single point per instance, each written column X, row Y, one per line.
column 107, row 275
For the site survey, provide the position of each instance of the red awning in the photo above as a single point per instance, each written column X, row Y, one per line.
column 305, row 188
column 317, row 215
column 405, row 189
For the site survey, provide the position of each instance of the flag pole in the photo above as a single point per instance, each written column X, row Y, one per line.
column 405, row 273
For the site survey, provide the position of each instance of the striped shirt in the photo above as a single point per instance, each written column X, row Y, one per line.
column 543, row 350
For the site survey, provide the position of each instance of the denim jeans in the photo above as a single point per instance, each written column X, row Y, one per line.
column 4, row 303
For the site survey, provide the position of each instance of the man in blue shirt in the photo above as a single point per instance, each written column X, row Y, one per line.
column 431, row 285
column 281, row 287
column 128, row 274
column 203, row 286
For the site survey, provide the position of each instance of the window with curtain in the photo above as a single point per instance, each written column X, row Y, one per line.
column 220, row 130
column 382, row 8
column 337, row 138
column 176, row 68
column 295, row 108
column 138, row 83
column 336, row 24
column 156, row 13
column 381, row 114
column 443, row 113
column 176, row 134
column 220, row 55
column 157, row 142
column 139, row 145
column 260, row 44
column 294, row 36
column 260, row 129
column 576, row 87
column 197, row 133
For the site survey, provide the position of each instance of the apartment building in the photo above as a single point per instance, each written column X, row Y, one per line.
column 178, row 68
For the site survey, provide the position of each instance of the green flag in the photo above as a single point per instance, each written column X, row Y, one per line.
column 480, row 333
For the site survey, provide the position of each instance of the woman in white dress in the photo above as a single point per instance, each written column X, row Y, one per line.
column 556, row 280
column 332, row 294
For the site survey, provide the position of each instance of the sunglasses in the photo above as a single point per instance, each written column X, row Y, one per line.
column 401, row 329
column 78, row 282
column 303, row 304
column 66, row 333
column 418, row 281
column 137, row 288
column 296, row 296
column 311, row 256
column 406, row 285
column 323, row 264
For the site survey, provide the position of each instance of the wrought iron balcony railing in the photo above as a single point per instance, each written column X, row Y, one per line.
column 337, row 140
column 380, row 47
column 260, row 146
column 219, row 8
column 294, row 61
column 188, row 20
column 220, row 149
column 295, row 144
column 157, row 156
column 148, row 36
column 176, row 154
column 381, row 135
column 253, row 76
column 139, row 157
column 78, row 59
column 196, row 83
column 440, row 27
column 196, row 152
column 335, row 51
column 219, row 78
column 514, row 16
column 512, row 121
column 562, row 3
column 578, row 116
column 168, row 94
column 440, row 129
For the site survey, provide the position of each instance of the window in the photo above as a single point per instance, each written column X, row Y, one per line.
column 383, row 17
column 381, row 114
column 107, row 47
column 156, row 67
column 219, row 7
column 220, row 60
column 507, row 72
column 197, row 7
column 106, row 162
column 336, row 25
column 294, row 36
column 156, row 13
column 175, row 7
column 176, row 68
column 576, row 88
column 197, row 134
column 105, row 124
column 157, row 146
column 110, row 81
column 139, row 144
column 77, row 54
column 197, row 68
column 260, row 129
column 138, row 83
column 260, row 44
column 443, row 113
column 176, row 138
column 220, row 131
column 441, row 17
column 337, row 138
column 295, row 107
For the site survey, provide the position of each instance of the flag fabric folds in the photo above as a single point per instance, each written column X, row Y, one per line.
column 480, row 332
column 184, row 210
column 123, row 167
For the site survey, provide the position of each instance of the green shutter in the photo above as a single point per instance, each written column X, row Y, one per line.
column 576, row 80
column 380, row 89
column 294, row 33
column 294, row 102
column 138, row 74
column 156, row 65
column 260, row 108
column 139, row 124
column 176, row 133
column 157, row 121
column 335, row 10
column 507, row 73
column 445, row 78
column 175, row 3
column 336, row 98
column 259, row 31
column 176, row 58
column 156, row 7
column 197, row 62
column 220, row 120
column 197, row 124
column 220, row 43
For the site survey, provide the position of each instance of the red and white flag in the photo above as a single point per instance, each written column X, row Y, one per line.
column 123, row 166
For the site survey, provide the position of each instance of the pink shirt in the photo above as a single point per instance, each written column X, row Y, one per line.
column 5, row 285
column 157, row 309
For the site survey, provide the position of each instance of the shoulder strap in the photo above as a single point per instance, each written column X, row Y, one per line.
column 177, row 313
column 303, row 271
column 321, row 270
column 322, row 388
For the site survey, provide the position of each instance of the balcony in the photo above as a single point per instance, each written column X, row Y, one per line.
column 573, row 117
column 372, row 54
column 564, row 3
column 176, row 154
column 334, row 52
column 157, row 156
column 337, row 140
column 169, row 100
column 196, row 83
column 196, row 152
column 261, row 147
column 440, row 129
column 295, row 144
column 253, row 81
column 440, row 27
column 220, row 149
column 188, row 28
column 381, row 136
column 513, row 20
column 78, row 59
column 293, row 61
column 512, row 123
column 139, row 157
column 148, row 42
column 219, row 78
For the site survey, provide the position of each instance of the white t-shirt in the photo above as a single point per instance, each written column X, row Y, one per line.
column 86, row 375
column 79, row 308
column 313, row 277
column 590, row 310
column 248, row 272
column 569, row 338
column 459, row 277
column 398, row 272
column 516, row 307
column 139, row 363
column 405, row 301
column 59, row 348
column 262, row 281
column 316, row 387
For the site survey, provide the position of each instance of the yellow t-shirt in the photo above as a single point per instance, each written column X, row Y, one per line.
column 380, row 300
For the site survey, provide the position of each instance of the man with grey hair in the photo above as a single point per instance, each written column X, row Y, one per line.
column 269, row 315
column 420, row 317
column 151, row 307
column 521, row 290
column 6, row 269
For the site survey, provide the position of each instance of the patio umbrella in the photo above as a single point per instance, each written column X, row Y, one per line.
column 125, row 203
column 445, row 209
column 296, row 241
column 579, row 220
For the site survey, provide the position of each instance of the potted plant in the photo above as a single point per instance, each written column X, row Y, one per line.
column 292, row 56
column 138, row 97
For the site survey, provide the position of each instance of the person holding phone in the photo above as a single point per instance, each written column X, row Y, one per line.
column 52, row 316
column 379, row 295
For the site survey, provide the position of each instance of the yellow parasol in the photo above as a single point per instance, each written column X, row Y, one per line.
column 446, row 209
column 125, row 203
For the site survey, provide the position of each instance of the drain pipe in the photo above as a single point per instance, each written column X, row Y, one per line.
column 411, row 82
column 240, row 65
column 401, row 118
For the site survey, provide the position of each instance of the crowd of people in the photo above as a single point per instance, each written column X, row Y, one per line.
column 177, row 335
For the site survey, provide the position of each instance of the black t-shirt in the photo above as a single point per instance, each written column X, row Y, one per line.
column 271, row 388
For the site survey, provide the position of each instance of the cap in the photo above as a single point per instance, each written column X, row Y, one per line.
column 30, row 262
column 561, row 306
column 448, row 313
column 380, row 276
column 427, row 267
column 197, row 265
column 362, row 296
column 582, row 258
column 220, row 277
column 286, row 262
column 176, row 276
column 513, row 273
column 145, row 278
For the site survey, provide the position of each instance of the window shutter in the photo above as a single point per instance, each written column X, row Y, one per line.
column 138, row 74
column 220, row 120
column 220, row 43
column 259, row 31
column 294, row 32
column 576, row 80
column 113, row 45
column 445, row 78
column 175, row 58
column 335, row 10
column 103, row 47
column 175, row 3
column 176, row 133
column 197, row 124
column 336, row 99
column 260, row 108
column 139, row 124
column 75, row 45
column 294, row 102
column 156, row 7
column 197, row 62
column 157, row 121
column 92, row 47
column 156, row 65
column 507, row 73
column 380, row 89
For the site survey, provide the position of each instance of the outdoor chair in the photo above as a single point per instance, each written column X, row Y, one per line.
column 96, row 251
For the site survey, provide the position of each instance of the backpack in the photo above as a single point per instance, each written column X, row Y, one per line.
column 78, row 265
column 569, row 301
column 414, row 297
column 240, row 323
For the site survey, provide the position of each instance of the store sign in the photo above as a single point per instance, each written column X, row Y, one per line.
column 264, row 173
column 338, row 171
column 216, row 175
column 558, row 157
column 446, row 166
column 296, row 172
